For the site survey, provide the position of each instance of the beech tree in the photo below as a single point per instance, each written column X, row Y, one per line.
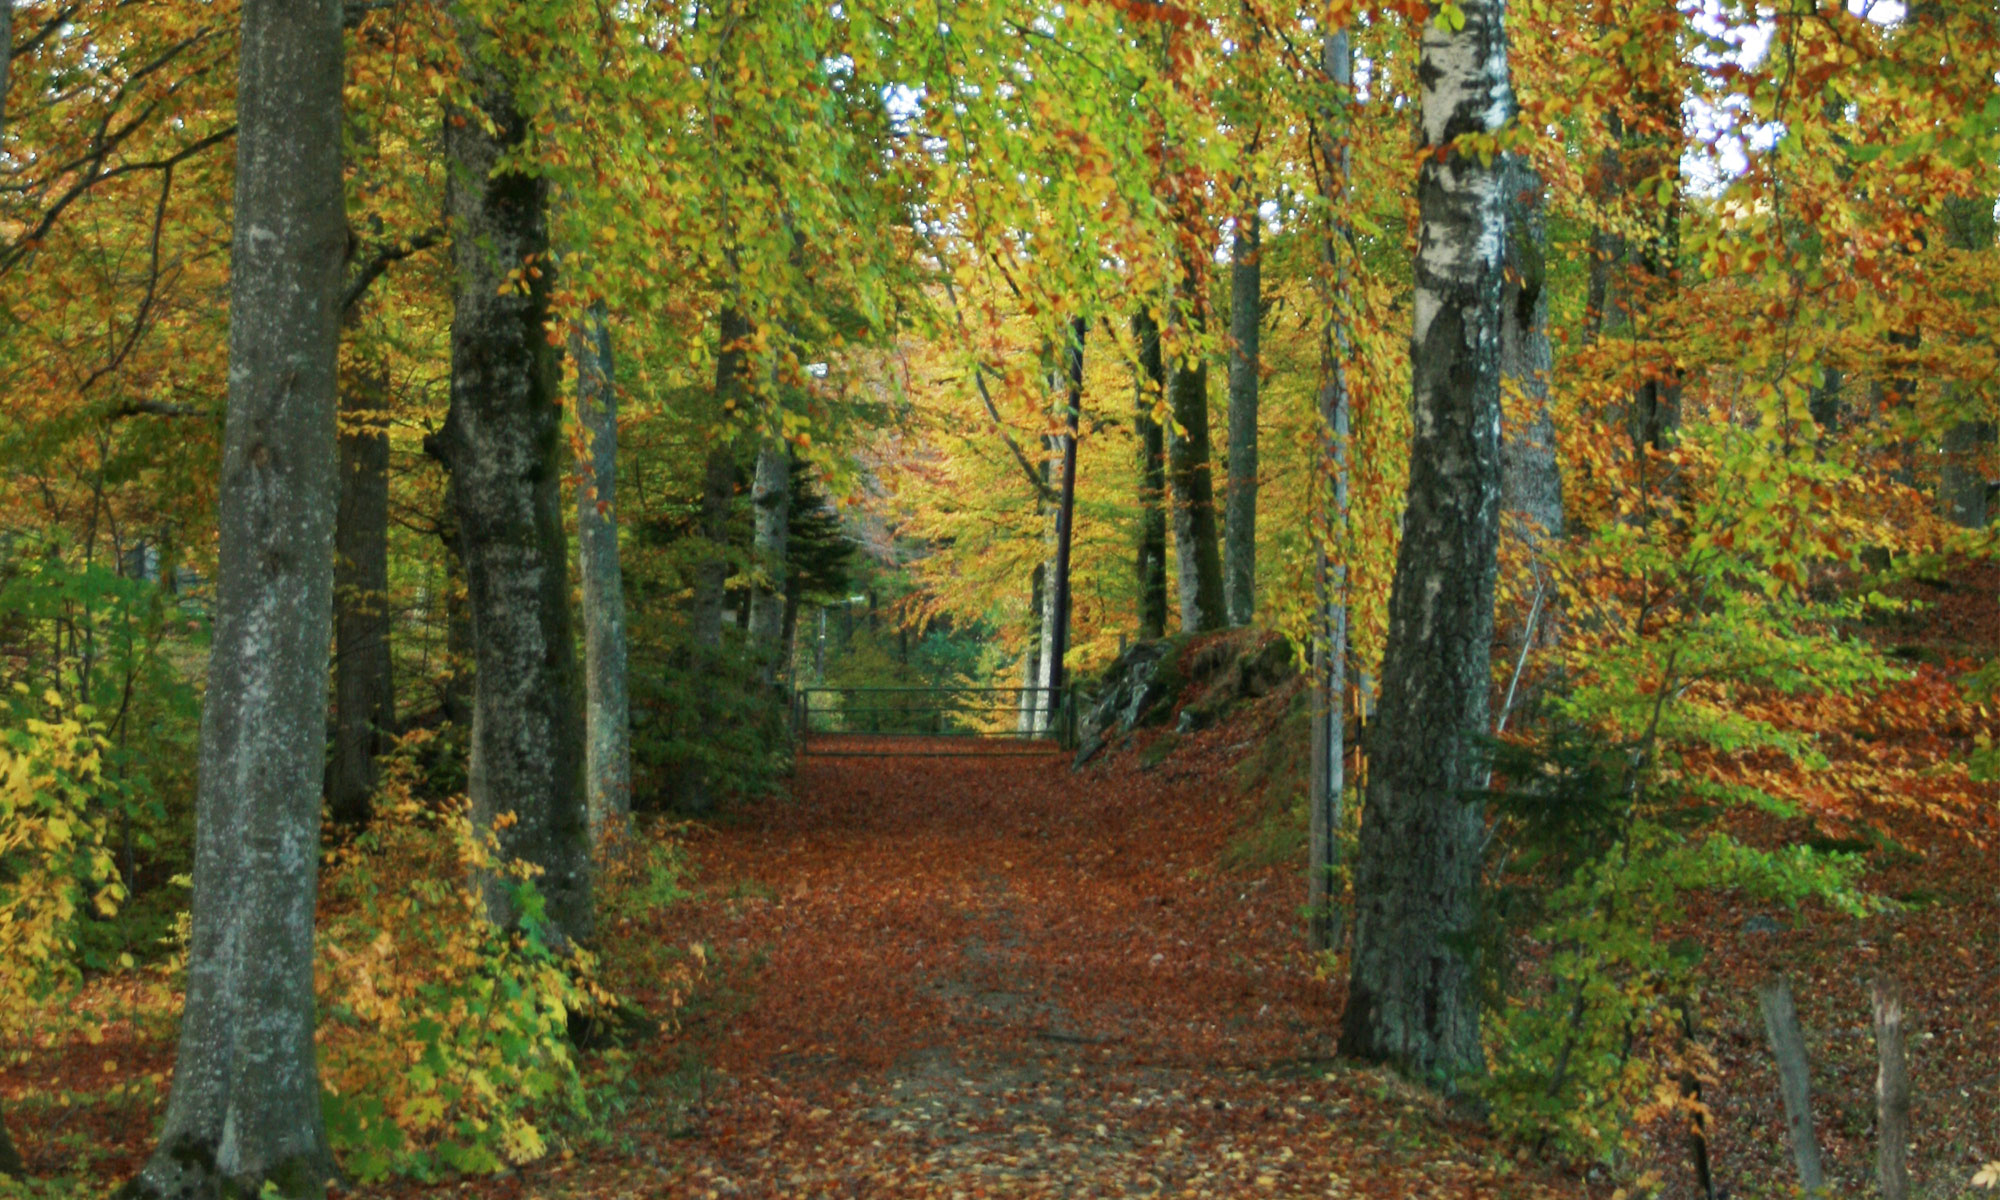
column 507, row 458
column 243, row 1118
column 608, row 713
column 1150, row 381
column 1410, row 995
column 1246, row 318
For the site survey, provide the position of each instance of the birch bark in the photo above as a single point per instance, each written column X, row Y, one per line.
column 1410, row 994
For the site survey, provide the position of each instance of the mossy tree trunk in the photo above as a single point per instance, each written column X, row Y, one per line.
column 243, row 1117
column 503, row 437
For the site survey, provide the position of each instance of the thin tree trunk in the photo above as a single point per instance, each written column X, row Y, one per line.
column 1066, row 513
column 1788, row 1046
column 1151, row 384
column 244, row 1114
column 1328, row 757
column 1410, row 999
column 1197, row 548
column 364, row 679
column 1892, row 1093
column 1530, row 475
column 1962, row 491
column 718, row 492
column 771, row 501
column 10, row 1158
column 607, row 704
column 504, row 437
column 1246, row 318
column 1031, row 659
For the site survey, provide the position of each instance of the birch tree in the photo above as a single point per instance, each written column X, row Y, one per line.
column 1410, row 995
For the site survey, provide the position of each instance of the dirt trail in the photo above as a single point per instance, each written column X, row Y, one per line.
column 989, row 976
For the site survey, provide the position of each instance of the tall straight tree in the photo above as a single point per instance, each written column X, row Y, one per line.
column 244, row 1115
column 607, row 704
column 719, row 471
column 1327, row 756
column 1190, row 473
column 1058, row 641
column 1150, row 383
column 503, row 439
column 771, row 506
column 1410, row 999
column 364, row 701
column 1246, row 319
column 10, row 1158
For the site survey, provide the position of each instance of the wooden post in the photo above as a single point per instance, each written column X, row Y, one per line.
column 1892, row 1093
column 1788, row 1046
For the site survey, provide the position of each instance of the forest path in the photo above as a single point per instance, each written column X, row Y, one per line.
column 993, row 976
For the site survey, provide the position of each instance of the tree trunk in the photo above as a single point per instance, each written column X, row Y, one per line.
column 771, row 501
column 504, row 438
column 1031, row 659
column 1788, row 1046
column 1892, row 1093
column 1530, row 476
column 1410, row 999
column 1962, row 491
column 1327, row 760
column 1197, row 549
column 718, row 490
column 607, row 705
column 11, row 1165
column 364, row 679
column 1530, row 479
column 244, row 1114
column 1246, row 318
column 1059, row 607
column 1151, row 386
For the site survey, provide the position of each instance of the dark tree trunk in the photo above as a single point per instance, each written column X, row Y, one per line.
column 508, row 460
column 10, row 1158
column 1246, row 318
column 1066, row 513
column 1152, row 562
column 1197, row 546
column 771, row 501
column 607, row 704
column 1962, row 491
column 364, row 680
column 1410, row 999
column 1530, row 476
column 718, row 483
column 244, row 1114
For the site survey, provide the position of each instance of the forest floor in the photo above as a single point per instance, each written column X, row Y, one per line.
column 993, row 975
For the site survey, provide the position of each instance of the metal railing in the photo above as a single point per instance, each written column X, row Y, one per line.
column 907, row 720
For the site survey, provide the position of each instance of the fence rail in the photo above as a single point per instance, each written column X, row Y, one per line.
column 901, row 720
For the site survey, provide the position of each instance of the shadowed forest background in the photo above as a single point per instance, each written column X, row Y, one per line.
column 1450, row 544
